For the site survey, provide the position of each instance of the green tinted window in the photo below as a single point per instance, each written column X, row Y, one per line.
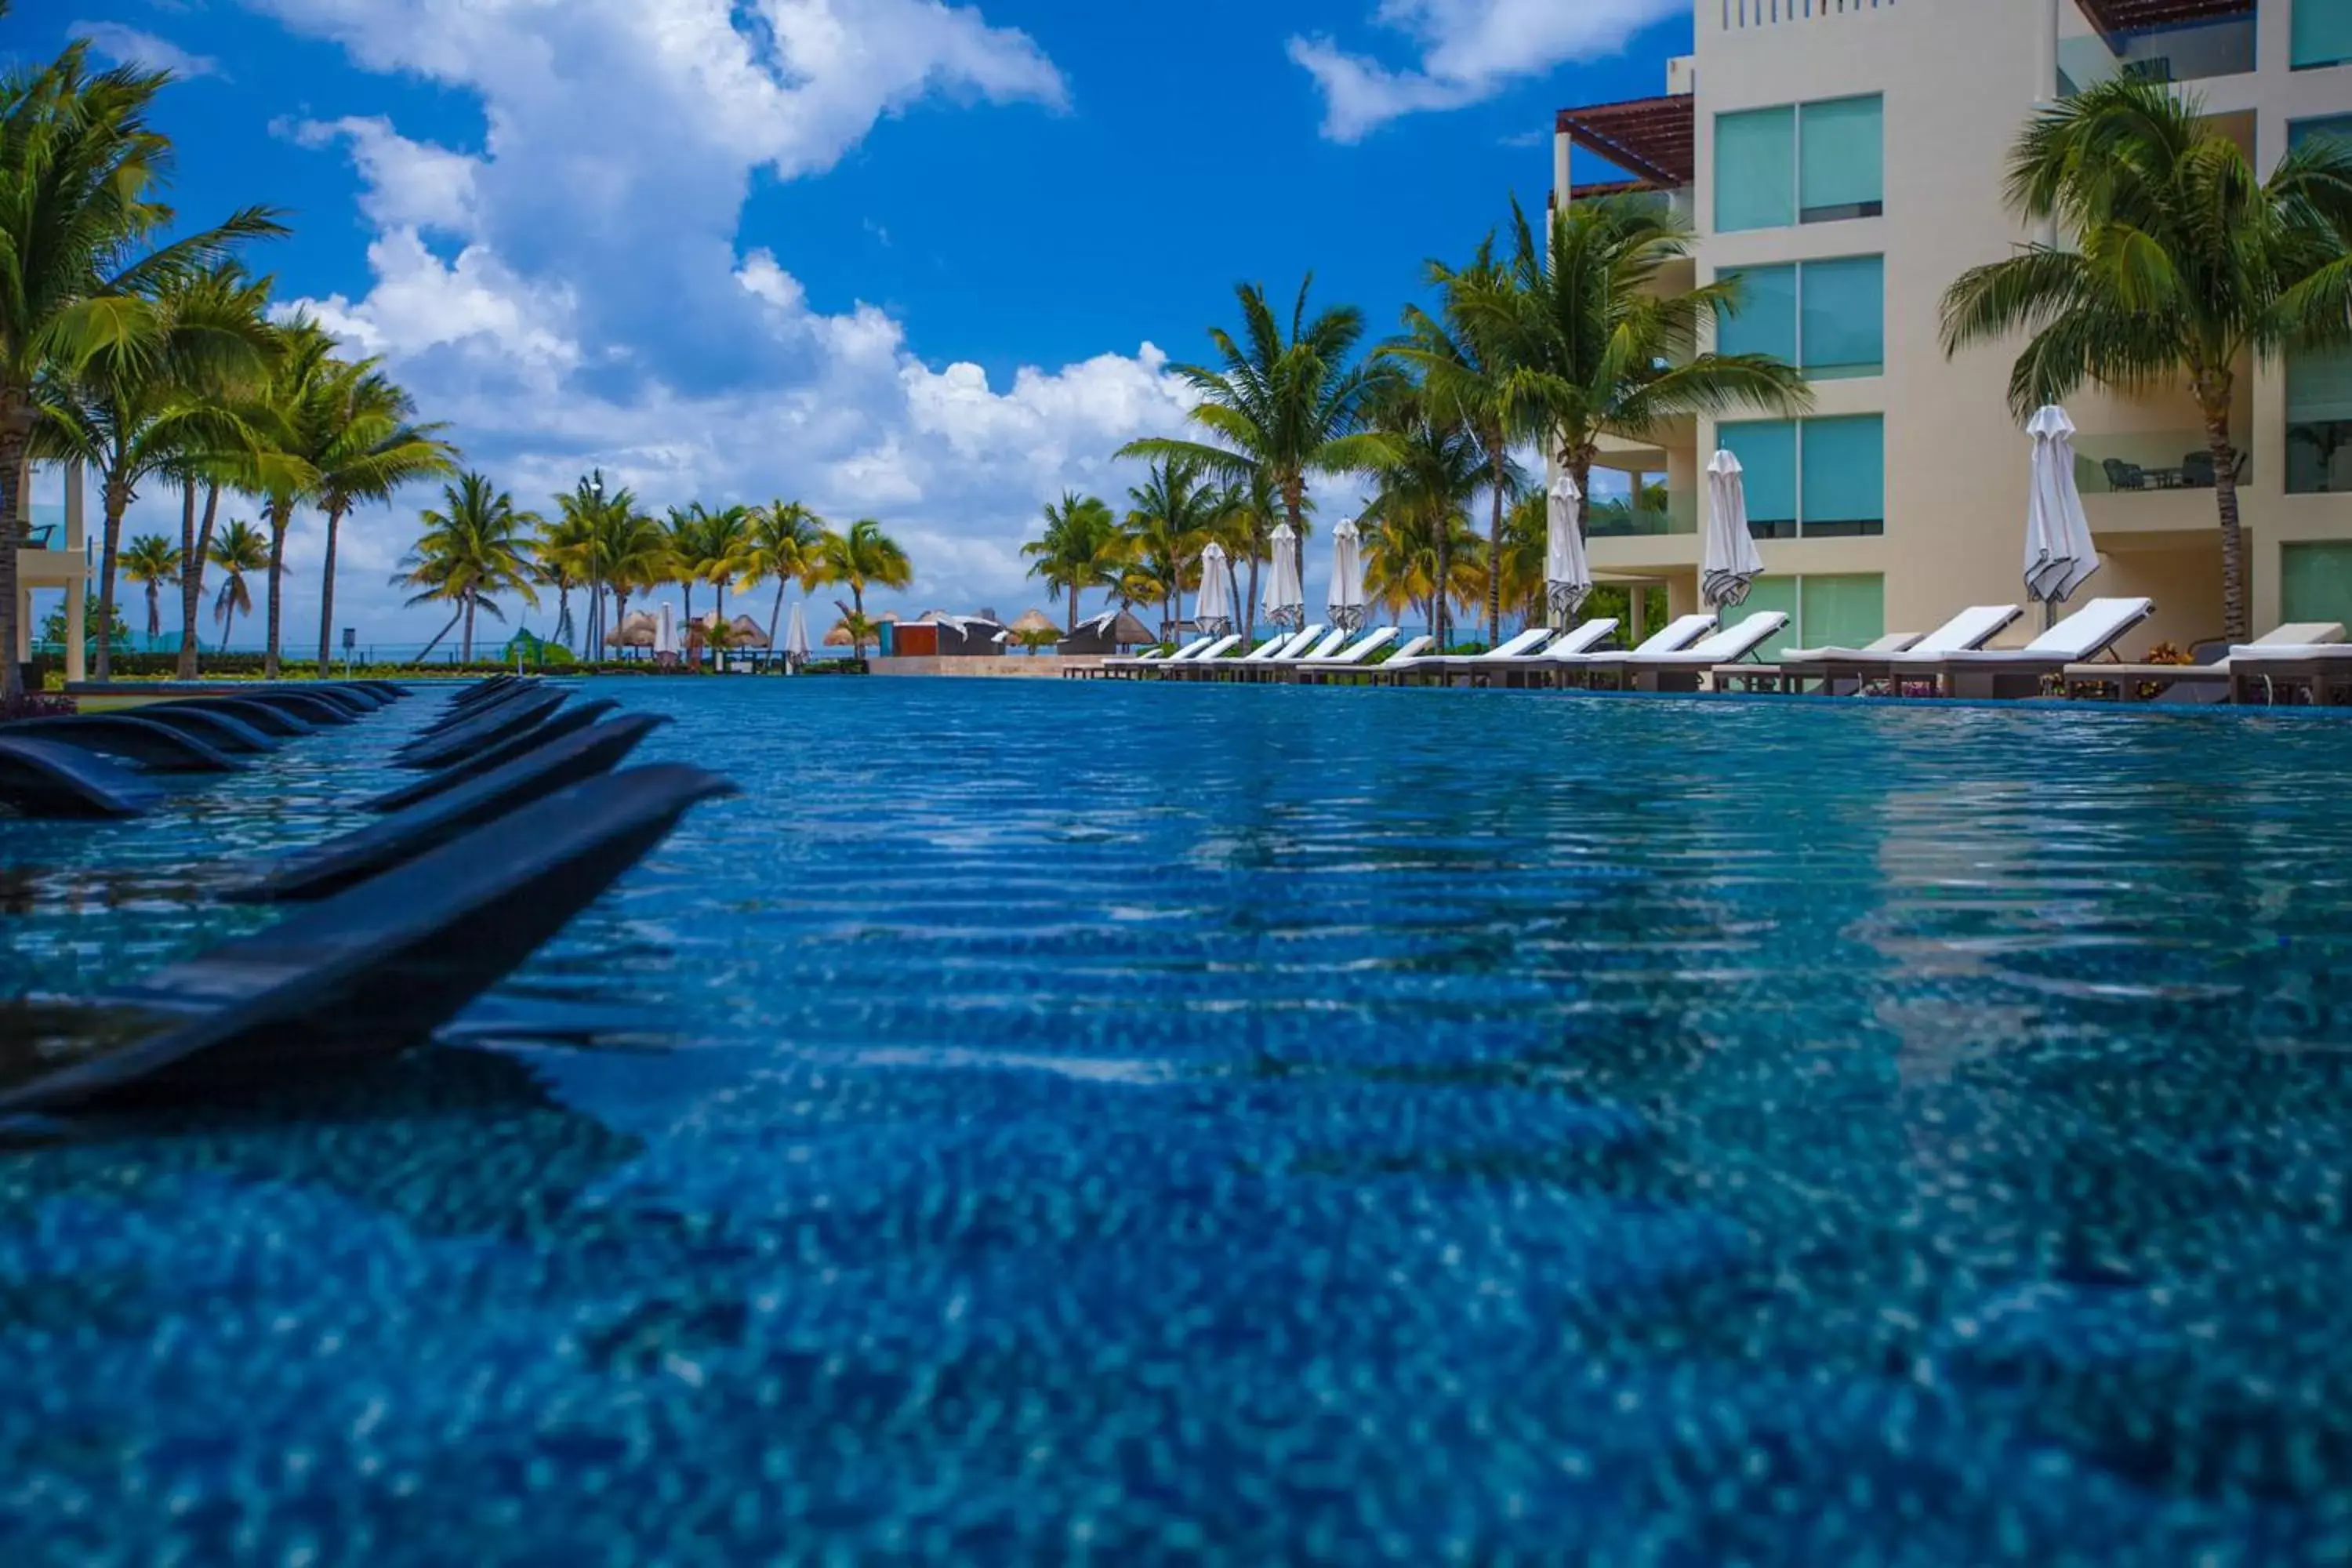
column 1842, row 169
column 1755, row 169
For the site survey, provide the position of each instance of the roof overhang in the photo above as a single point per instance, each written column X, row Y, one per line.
column 2120, row 16
column 1654, row 139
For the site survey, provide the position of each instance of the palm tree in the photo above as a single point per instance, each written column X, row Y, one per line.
column 133, row 418
column 1469, row 382
column 566, row 549
column 81, row 225
column 708, row 546
column 1588, row 341
column 152, row 561
column 476, row 545
column 1433, row 466
column 1282, row 408
column 361, row 440
column 864, row 555
column 237, row 550
column 632, row 551
column 784, row 542
column 2179, row 263
column 1519, row 560
column 1082, row 548
column 1174, row 516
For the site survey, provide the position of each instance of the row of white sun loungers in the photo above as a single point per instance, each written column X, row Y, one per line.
column 1953, row 660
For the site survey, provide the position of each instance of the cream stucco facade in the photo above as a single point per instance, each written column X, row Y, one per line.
column 58, row 559
column 1957, row 79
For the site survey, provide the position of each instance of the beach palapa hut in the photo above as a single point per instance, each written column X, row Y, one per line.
column 1113, row 631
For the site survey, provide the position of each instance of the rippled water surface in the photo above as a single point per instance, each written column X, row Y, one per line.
column 1128, row 1124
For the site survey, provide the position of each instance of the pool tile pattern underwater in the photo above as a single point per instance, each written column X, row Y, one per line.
column 1044, row 1122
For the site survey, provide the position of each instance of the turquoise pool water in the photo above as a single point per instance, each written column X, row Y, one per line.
column 1133, row 1124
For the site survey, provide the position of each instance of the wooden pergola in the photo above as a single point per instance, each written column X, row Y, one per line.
column 1655, row 140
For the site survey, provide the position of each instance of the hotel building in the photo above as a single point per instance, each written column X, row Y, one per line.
column 52, row 558
column 1845, row 160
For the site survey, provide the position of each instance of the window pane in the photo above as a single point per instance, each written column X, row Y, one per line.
column 1845, row 473
column 1755, row 174
column 1846, row 317
column 1843, row 174
column 2315, row 582
column 1771, row 594
column 2304, row 131
column 1766, row 450
column 2323, row 32
column 1844, row 611
column 1767, row 320
column 2319, row 422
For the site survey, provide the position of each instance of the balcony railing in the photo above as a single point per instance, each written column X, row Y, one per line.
column 45, row 523
column 2225, row 48
column 2150, row 462
column 1739, row 14
column 1621, row 519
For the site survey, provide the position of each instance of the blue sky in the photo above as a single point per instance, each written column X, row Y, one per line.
column 898, row 259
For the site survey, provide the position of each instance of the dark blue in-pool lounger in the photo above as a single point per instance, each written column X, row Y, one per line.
column 327, row 869
column 509, row 718
column 156, row 747
column 262, row 716
column 464, row 713
column 42, row 778
column 221, row 729
column 308, row 706
column 374, row 969
column 350, row 703
column 491, row 758
column 475, row 696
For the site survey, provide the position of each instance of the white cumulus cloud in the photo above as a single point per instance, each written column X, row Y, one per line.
column 577, row 293
column 131, row 46
column 1468, row 51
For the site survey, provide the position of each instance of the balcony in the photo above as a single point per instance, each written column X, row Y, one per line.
column 2148, row 463
column 2158, row 41
column 1618, row 518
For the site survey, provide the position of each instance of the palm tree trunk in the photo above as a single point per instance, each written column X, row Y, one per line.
column 1073, row 607
column 17, row 421
column 116, row 499
column 1249, row 611
column 465, row 642
column 2237, row 623
column 327, row 591
column 280, row 515
column 196, row 544
column 438, row 637
column 1495, row 555
column 776, row 615
column 154, row 609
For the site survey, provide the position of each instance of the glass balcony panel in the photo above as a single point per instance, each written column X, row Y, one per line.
column 2225, row 48
column 2143, row 463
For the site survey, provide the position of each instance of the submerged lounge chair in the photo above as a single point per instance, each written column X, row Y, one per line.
column 450, row 776
column 1855, row 670
column 2216, row 677
column 509, row 718
column 374, row 970
column 2020, row 672
column 1681, row 669
column 224, row 731
column 44, row 779
column 323, row 869
column 130, row 738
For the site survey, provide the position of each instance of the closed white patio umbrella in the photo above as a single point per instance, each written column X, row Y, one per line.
column 1730, row 562
column 2059, row 554
column 1345, row 602
column 1218, row 606
column 796, row 638
column 1286, row 592
column 1567, row 576
column 666, row 634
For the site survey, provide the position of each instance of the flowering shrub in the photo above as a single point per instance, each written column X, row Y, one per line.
column 36, row 705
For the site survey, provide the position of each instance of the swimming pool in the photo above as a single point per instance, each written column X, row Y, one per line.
column 1046, row 1121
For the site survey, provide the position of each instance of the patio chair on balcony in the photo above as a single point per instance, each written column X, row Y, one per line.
column 2123, row 476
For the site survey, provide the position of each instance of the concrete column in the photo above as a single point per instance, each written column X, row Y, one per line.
column 78, row 591
column 2045, row 82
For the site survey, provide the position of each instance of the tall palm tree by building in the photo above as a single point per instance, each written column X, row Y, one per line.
column 151, row 560
column 785, row 539
column 475, row 546
column 1284, row 405
column 2176, row 267
column 1588, row 339
column 1470, row 381
column 82, row 174
column 134, row 418
column 238, row 550
column 1083, row 547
